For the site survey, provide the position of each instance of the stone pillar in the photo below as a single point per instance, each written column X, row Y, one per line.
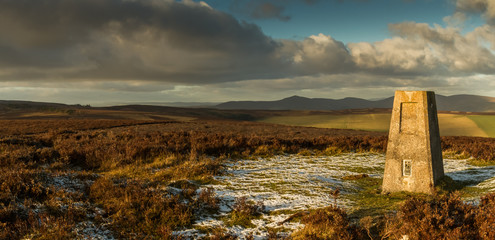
column 414, row 156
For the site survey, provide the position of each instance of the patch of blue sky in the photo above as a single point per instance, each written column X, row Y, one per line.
column 351, row 20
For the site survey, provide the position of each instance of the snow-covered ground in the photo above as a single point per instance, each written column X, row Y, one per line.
column 72, row 184
column 293, row 182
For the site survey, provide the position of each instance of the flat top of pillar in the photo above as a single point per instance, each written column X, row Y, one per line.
column 405, row 91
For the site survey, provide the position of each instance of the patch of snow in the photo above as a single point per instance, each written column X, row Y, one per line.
column 480, row 177
column 293, row 182
column 90, row 230
column 69, row 182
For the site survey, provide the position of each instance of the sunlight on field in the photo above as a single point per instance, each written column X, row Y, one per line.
column 44, row 114
column 485, row 122
column 371, row 122
column 176, row 118
column 459, row 125
column 450, row 124
column 105, row 114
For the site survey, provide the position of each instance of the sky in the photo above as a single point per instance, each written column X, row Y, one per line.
column 105, row 52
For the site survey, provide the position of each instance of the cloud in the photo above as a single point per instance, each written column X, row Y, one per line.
column 318, row 54
column 261, row 9
column 485, row 34
column 182, row 42
column 269, row 10
column 266, row 9
column 418, row 49
column 485, row 7
column 120, row 39
column 456, row 20
column 148, row 43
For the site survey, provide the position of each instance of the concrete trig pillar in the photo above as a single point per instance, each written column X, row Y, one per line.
column 414, row 156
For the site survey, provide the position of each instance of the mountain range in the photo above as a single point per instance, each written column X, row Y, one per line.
column 462, row 103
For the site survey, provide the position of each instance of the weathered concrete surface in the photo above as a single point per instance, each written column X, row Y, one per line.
column 414, row 156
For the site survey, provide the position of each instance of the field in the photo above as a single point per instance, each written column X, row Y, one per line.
column 450, row 124
column 213, row 179
column 485, row 122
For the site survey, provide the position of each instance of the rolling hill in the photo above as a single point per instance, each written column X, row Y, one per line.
column 366, row 115
column 462, row 103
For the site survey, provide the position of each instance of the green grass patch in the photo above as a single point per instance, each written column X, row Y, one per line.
column 485, row 122
column 283, row 211
column 472, row 192
column 371, row 202
column 454, row 155
column 481, row 163
column 459, row 125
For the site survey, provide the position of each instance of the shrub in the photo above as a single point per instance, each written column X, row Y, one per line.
column 18, row 184
column 485, row 217
column 445, row 217
column 327, row 223
column 139, row 212
column 208, row 201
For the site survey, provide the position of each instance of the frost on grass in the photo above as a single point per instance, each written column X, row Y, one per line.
column 293, row 182
column 286, row 184
column 476, row 176
column 91, row 230
column 290, row 183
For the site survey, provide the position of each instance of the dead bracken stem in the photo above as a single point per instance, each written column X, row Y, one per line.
column 335, row 194
column 367, row 223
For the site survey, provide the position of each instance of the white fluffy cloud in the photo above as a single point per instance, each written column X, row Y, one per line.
column 317, row 54
column 420, row 49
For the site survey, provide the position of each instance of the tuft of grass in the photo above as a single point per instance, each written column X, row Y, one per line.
column 305, row 152
column 355, row 177
column 201, row 171
column 207, row 201
column 455, row 155
column 332, row 151
column 243, row 212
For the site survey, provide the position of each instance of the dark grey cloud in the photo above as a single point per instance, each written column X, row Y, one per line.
column 120, row 39
column 269, row 10
column 485, row 7
column 261, row 9
column 266, row 9
column 168, row 41
column 56, row 23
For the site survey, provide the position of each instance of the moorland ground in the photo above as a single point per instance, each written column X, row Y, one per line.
column 70, row 178
column 451, row 123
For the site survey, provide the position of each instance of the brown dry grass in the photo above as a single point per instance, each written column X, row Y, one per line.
column 123, row 163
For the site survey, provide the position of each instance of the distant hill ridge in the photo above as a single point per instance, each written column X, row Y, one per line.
column 462, row 103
